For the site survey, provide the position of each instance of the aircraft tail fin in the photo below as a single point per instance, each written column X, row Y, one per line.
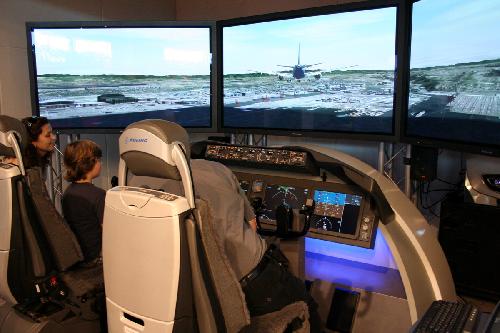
column 298, row 58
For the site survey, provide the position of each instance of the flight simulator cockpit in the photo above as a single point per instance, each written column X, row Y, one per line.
column 342, row 212
column 368, row 255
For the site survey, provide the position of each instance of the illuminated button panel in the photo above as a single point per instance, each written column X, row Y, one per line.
column 366, row 226
column 158, row 194
column 256, row 155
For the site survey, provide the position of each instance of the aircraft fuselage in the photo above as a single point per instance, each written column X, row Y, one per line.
column 298, row 72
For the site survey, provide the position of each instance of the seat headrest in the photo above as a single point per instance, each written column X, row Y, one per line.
column 146, row 148
column 9, row 124
column 156, row 148
column 166, row 131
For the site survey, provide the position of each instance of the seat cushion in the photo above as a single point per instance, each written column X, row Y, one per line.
column 62, row 241
column 84, row 280
column 278, row 321
column 226, row 285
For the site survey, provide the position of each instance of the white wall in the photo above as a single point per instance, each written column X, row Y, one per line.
column 226, row 9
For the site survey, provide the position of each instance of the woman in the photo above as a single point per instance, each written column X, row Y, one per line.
column 42, row 142
column 41, row 145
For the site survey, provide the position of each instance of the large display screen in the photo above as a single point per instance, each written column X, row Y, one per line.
column 336, row 212
column 275, row 195
column 454, row 92
column 325, row 73
column 109, row 77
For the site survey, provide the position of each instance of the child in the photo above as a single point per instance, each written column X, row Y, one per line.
column 82, row 202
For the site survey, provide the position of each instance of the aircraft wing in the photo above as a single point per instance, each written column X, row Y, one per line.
column 313, row 70
column 285, row 66
column 306, row 66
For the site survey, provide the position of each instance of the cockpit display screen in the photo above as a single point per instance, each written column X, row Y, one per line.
column 336, row 212
column 294, row 197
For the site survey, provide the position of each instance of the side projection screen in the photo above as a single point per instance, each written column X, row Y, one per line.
column 108, row 77
column 455, row 73
column 323, row 73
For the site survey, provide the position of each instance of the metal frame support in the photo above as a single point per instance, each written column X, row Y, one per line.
column 248, row 139
column 381, row 157
column 407, row 173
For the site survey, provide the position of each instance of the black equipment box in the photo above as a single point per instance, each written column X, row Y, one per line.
column 470, row 237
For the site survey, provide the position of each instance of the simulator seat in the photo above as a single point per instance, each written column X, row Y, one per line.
column 164, row 268
column 42, row 289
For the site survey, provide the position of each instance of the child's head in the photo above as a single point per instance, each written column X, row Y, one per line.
column 82, row 160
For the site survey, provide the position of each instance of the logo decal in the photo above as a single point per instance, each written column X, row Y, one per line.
column 136, row 140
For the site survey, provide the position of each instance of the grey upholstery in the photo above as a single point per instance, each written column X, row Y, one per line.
column 144, row 164
column 227, row 288
column 204, row 309
column 226, row 285
column 84, row 280
column 278, row 321
column 64, row 245
column 13, row 322
column 37, row 261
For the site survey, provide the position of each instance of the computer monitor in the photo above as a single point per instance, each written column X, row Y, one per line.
column 336, row 213
column 318, row 72
column 293, row 196
column 106, row 75
column 454, row 90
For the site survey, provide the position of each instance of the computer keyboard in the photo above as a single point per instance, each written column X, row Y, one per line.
column 451, row 317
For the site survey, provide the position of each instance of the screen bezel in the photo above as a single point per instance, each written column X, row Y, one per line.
column 404, row 136
column 31, row 26
column 315, row 11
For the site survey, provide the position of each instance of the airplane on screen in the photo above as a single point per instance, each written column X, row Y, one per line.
column 299, row 71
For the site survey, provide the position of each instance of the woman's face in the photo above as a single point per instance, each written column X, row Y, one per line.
column 45, row 142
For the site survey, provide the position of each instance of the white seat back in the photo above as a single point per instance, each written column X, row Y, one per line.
column 146, row 258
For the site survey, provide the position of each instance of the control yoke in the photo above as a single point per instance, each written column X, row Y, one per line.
column 284, row 220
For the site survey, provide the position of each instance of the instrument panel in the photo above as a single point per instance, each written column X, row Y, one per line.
column 342, row 212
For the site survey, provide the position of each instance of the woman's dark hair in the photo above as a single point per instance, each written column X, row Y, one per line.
column 79, row 159
column 34, row 128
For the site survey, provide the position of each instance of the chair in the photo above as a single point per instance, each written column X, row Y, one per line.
column 164, row 269
column 39, row 254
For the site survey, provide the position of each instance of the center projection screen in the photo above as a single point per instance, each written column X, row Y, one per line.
column 104, row 77
column 332, row 72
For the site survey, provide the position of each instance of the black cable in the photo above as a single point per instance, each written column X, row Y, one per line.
column 448, row 182
column 436, row 202
column 427, row 202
